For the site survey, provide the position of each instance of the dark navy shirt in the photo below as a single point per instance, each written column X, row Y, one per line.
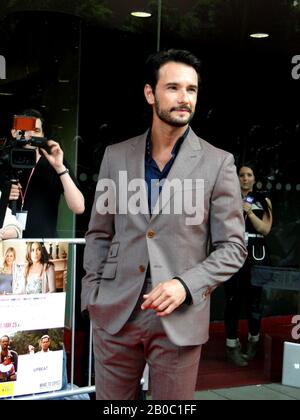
column 153, row 175
column 154, row 178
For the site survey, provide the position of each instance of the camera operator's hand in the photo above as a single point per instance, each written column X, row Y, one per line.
column 56, row 158
column 14, row 192
column 73, row 196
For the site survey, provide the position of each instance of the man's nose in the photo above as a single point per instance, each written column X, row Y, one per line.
column 183, row 96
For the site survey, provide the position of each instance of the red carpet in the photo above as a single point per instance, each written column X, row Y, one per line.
column 215, row 372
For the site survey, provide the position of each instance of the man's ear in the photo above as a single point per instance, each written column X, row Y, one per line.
column 149, row 95
column 14, row 133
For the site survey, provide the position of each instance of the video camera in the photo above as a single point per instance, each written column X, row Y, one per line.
column 13, row 155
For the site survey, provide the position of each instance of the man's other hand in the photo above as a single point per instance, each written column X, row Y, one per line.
column 14, row 192
column 165, row 297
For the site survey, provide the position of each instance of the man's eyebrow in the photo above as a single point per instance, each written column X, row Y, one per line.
column 177, row 84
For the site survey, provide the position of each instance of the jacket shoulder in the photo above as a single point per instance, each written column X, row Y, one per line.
column 214, row 151
column 125, row 145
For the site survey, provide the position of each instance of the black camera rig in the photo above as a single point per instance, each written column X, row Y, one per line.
column 15, row 157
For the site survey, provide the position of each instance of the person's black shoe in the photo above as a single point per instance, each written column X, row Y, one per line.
column 235, row 356
column 252, row 349
column 142, row 394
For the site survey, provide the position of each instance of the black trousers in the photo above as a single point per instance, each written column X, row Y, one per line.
column 239, row 291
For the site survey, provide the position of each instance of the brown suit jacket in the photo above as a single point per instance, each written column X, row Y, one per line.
column 119, row 247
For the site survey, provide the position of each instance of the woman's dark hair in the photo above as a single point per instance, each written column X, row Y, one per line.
column 250, row 165
column 157, row 60
column 44, row 256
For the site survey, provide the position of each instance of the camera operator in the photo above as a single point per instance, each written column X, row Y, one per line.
column 41, row 187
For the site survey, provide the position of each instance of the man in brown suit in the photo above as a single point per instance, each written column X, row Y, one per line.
column 162, row 198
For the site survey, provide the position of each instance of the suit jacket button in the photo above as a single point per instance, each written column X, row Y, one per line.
column 206, row 293
column 151, row 234
column 142, row 269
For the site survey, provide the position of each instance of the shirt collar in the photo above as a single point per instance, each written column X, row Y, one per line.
column 175, row 149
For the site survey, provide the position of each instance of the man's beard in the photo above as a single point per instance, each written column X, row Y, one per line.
column 165, row 115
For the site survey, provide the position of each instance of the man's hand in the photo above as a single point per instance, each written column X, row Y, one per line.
column 165, row 297
column 56, row 158
column 14, row 192
column 73, row 196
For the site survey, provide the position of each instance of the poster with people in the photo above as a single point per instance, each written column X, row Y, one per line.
column 33, row 278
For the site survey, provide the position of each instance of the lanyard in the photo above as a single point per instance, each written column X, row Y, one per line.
column 21, row 192
column 28, row 182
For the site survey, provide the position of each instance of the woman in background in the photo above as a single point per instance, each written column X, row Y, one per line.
column 6, row 271
column 257, row 210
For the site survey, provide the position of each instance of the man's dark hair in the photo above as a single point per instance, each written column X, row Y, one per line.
column 157, row 60
column 5, row 336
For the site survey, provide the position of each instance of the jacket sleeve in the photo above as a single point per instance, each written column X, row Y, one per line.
column 98, row 238
column 227, row 236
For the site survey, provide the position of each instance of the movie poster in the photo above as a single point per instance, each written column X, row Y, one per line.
column 32, row 314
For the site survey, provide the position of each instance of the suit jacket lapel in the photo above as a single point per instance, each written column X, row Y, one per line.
column 136, row 164
column 187, row 159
